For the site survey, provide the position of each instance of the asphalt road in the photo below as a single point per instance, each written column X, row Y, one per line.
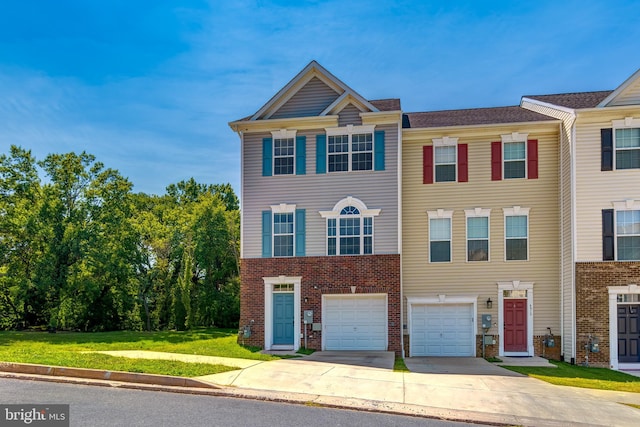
column 109, row 407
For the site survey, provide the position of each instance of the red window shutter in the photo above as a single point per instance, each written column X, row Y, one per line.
column 463, row 168
column 427, row 164
column 532, row 159
column 496, row 161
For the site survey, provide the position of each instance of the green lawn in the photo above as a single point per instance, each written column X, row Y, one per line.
column 69, row 349
column 580, row 376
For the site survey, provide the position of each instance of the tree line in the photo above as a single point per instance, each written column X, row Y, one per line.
column 79, row 250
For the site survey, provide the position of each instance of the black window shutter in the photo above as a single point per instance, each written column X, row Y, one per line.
column 606, row 138
column 608, row 236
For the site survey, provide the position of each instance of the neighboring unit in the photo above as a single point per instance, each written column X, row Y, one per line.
column 600, row 205
column 480, row 226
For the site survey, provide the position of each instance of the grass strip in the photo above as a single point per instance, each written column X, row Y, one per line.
column 580, row 376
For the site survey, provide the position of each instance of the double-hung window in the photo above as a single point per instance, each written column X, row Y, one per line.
column 283, row 234
column 516, row 233
column 283, row 156
column 440, row 235
column 445, row 163
column 477, row 234
column 283, row 231
column 515, row 159
column 627, row 148
column 350, row 148
column 350, row 228
column 628, row 235
column 620, row 145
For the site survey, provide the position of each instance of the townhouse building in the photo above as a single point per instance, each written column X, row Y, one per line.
column 470, row 232
column 320, row 218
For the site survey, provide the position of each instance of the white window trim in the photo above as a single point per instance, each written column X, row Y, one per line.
column 478, row 213
column 515, row 285
column 614, row 291
column 283, row 134
column 626, row 123
column 350, row 130
column 516, row 211
column 442, row 214
column 282, row 208
column 515, row 137
column 268, row 310
column 626, row 205
column 364, row 212
column 445, row 142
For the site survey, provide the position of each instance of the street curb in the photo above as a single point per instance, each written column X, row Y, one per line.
column 97, row 374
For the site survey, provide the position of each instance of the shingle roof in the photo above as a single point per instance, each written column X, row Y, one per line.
column 473, row 116
column 392, row 104
column 574, row 100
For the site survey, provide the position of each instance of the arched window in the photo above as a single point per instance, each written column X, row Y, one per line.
column 350, row 228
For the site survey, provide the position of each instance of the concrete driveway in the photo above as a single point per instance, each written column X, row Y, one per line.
column 456, row 366
column 367, row 359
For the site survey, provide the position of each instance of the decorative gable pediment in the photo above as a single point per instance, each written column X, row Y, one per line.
column 313, row 92
column 628, row 93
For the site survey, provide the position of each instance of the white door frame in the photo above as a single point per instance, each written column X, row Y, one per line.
column 614, row 291
column 445, row 299
column 268, row 311
column 513, row 286
column 335, row 296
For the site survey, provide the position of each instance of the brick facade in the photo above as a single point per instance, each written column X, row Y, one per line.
column 324, row 275
column 592, row 303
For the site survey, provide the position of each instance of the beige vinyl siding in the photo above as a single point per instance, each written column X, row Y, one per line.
column 459, row 277
column 350, row 115
column 315, row 193
column 596, row 189
column 630, row 96
column 310, row 100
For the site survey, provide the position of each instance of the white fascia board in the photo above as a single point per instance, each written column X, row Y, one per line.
column 546, row 104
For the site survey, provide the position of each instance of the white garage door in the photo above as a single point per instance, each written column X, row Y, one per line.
column 355, row 322
column 442, row 330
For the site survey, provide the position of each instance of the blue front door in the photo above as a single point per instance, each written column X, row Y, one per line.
column 283, row 318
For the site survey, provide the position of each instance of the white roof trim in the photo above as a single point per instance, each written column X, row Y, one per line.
column 348, row 98
column 546, row 104
column 313, row 69
column 619, row 89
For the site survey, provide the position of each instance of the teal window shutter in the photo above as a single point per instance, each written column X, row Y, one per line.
column 266, row 234
column 267, row 157
column 300, row 232
column 321, row 153
column 301, row 155
column 378, row 150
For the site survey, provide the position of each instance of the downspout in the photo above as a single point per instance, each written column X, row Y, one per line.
column 574, row 243
column 399, row 178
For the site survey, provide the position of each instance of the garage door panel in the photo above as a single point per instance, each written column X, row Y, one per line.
column 355, row 322
column 442, row 330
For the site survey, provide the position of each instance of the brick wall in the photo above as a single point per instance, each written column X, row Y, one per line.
column 321, row 275
column 592, row 303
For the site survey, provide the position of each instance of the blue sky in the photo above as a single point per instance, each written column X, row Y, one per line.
column 148, row 87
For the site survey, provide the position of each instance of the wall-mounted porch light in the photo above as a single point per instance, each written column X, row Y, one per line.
column 489, row 303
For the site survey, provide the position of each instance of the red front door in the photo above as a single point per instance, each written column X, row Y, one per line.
column 515, row 325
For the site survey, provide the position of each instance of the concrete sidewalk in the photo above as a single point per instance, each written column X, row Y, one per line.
column 465, row 389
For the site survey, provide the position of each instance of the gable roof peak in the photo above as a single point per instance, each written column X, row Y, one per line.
column 311, row 70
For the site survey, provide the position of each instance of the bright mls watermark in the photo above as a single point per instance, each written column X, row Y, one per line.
column 34, row 415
